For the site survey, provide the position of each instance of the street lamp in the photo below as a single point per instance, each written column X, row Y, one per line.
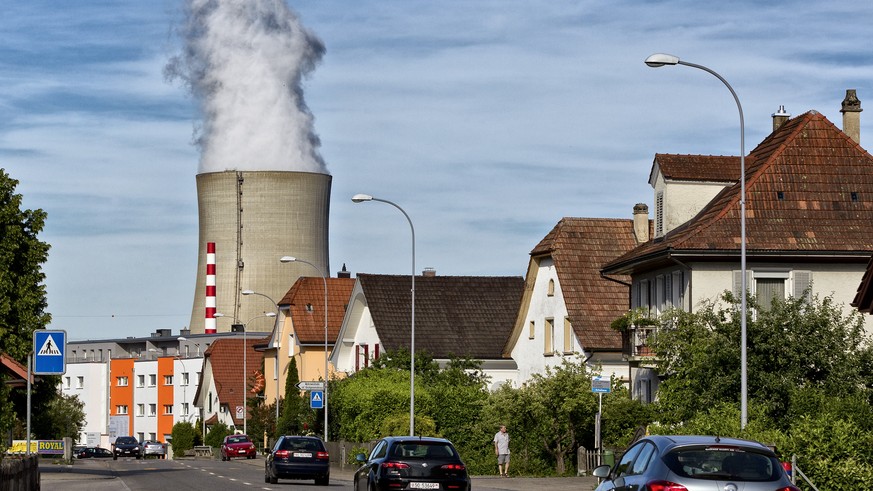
column 359, row 198
column 276, row 331
column 245, row 328
column 659, row 60
column 185, row 385
column 292, row 259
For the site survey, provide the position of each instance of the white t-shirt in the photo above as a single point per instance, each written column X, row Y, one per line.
column 502, row 441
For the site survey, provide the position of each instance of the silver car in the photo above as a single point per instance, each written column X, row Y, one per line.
column 695, row 463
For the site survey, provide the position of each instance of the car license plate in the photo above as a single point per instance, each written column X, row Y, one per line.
column 424, row 485
column 307, row 455
column 242, row 451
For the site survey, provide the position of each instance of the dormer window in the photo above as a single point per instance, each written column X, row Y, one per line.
column 309, row 307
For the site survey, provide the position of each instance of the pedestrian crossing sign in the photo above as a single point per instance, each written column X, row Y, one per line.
column 49, row 352
column 316, row 399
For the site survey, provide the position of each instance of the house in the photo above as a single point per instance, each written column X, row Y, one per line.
column 300, row 332
column 567, row 306
column 14, row 373
column 455, row 316
column 809, row 207
column 223, row 387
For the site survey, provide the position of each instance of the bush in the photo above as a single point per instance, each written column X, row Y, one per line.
column 184, row 437
column 216, row 435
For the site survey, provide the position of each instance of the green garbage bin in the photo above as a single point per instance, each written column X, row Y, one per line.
column 608, row 458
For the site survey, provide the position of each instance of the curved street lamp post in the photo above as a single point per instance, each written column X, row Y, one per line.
column 276, row 331
column 662, row 59
column 360, row 198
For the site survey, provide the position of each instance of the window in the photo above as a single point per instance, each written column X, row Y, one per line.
column 153, row 409
column 153, row 380
column 549, row 347
column 66, row 382
column 80, row 382
column 210, row 402
column 168, row 409
column 222, row 409
column 642, row 461
column 121, row 381
column 532, row 330
column 290, row 345
column 185, row 378
column 153, row 436
column 659, row 214
column 624, row 465
column 140, row 380
column 185, row 409
column 140, row 436
column 168, row 380
column 660, row 294
column 551, row 290
column 100, row 354
column 767, row 286
column 568, row 336
column 187, row 351
column 121, row 409
column 140, row 409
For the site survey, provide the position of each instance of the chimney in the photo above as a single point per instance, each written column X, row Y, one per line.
column 641, row 222
column 780, row 117
column 429, row 272
column 852, row 115
column 344, row 273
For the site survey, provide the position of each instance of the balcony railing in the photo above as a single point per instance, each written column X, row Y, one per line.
column 637, row 342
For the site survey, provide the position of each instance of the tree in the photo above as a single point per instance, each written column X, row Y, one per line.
column 67, row 417
column 294, row 410
column 216, row 434
column 22, row 291
column 184, row 437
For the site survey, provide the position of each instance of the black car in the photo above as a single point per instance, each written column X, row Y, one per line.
column 126, row 446
column 91, row 453
column 298, row 457
column 411, row 462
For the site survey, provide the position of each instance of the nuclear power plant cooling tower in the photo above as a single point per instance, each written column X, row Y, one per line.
column 253, row 218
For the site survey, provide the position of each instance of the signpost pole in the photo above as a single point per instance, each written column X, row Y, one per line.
column 29, row 363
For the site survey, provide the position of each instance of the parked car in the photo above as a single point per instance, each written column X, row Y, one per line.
column 410, row 462
column 298, row 457
column 693, row 463
column 237, row 446
column 92, row 453
column 126, row 446
column 151, row 447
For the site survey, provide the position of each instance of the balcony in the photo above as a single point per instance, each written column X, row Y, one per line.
column 636, row 343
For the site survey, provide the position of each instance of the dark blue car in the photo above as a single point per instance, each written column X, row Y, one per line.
column 298, row 457
column 412, row 462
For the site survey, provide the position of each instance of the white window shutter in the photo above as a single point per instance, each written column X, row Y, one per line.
column 802, row 281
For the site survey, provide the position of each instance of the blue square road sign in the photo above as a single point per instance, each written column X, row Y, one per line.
column 49, row 352
column 316, row 399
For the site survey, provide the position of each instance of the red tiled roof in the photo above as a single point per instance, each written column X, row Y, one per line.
column 306, row 301
column 454, row 315
column 809, row 189
column 226, row 358
column 698, row 167
column 580, row 247
column 16, row 371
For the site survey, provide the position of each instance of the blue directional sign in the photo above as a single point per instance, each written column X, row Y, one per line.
column 316, row 399
column 602, row 385
column 49, row 352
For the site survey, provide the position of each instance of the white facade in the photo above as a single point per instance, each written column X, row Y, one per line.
column 547, row 337
column 88, row 382
column 187, row 378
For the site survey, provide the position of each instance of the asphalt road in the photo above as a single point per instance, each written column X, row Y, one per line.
column 214, row 475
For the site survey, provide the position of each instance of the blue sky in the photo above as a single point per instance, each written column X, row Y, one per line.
column 487, row 121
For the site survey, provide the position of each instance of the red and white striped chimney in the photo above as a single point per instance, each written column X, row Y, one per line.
column 209, row 327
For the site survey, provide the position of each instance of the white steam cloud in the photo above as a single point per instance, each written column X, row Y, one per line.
column 244, row 62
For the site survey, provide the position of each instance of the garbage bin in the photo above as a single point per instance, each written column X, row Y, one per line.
column 607, row 458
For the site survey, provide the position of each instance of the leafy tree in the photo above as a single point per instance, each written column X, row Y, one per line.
column 622, row 417
column 295, row 411
column 68, row 417
column 216, row 434
column 184, row 437
column 22, row 291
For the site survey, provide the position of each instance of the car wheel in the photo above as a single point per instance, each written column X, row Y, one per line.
column 274, row 480
column 114, row 457
column 266, row 476
column 322, row 481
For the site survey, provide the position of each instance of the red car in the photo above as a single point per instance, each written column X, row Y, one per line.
column 237, row 446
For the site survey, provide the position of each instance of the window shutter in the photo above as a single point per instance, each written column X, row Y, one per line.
column 802, row 282
column 376, row 351
column 357, row 357
column 671, row 300
column 549, row 327
column 738, row 286
column 568, row 335
column 366, row 355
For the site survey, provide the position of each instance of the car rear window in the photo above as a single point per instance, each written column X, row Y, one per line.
column 302, row 444
column 423, row 450
column 723, row 463
column 237, row 439
column 124, row 440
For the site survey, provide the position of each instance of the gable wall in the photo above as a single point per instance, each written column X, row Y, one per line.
column 682, row 200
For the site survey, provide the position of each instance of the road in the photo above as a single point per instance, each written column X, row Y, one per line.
column 215, row 475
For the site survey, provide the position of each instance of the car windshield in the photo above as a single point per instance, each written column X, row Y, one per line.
column 237, row 439
column 720, row 463
column 423, row 450
column 125, row 440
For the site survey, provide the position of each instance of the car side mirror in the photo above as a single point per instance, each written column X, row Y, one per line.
column 361, row 458
column 601, row 471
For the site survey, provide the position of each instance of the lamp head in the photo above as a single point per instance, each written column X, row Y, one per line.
column 218, row 314
column 181, row 338
column 270, row 314
column 361, row 197
column 660, row 59
column 287, row 259
column 248, row 292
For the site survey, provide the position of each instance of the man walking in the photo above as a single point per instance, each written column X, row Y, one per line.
column 501, row 448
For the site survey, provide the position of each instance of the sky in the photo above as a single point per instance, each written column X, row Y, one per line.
column 486, row 121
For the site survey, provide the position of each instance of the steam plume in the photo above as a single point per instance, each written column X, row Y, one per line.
column 244, row 62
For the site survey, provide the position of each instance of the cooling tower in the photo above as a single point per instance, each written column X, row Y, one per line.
column 254, row 218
